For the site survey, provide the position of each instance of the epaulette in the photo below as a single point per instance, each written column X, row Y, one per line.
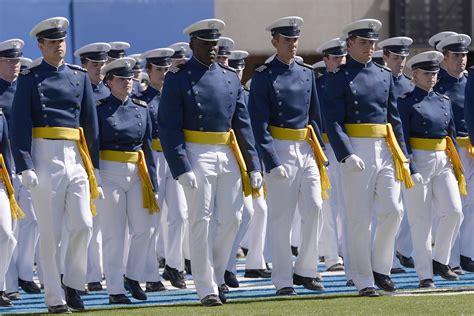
column 383, row 67
column 442, row 95
column 139, row 102
column 177, row 68
column 100, row 102
column 76, row 67
column 304, row 65
column 24, row 72
column 261, row 68
column 227, row 67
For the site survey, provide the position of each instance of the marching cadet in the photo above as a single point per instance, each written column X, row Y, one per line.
column 10, row 53
column 207, row 141
column 172, row 199
column 128, row 172
column 286, row 120
column 225, row 45
column 365, row 132
column 55, row 146
column 430, row 135
column 452, row 83
column 93, row 58
column 395, row 52
column 434, row 40
column 117, row 50
column 181, row 52
column 254, row 215
column 334, row 54
column 137, row 74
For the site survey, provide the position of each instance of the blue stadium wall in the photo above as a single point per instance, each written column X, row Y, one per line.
column 145, row 24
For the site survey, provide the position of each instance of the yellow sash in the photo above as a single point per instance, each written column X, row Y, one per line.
column 138, row 157
column 156, row 145
column 466, row 142
column 15, row 209
column 224, row 138
column 446, row 144
column 309, row 135
column 325, row 138
column 75, row 134
column 385, row 131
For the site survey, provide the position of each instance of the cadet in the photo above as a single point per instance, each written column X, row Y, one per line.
column 54, row 130
column 395, row 52
column 286, row 120
column 364, row 129
column 174, row 209
column 10, row 52
column 334, row 54
column 434, row 40
column 137, row 74
column 117, row 50
column 430, row 134
column 452, row 83
column 181, row 52
column 225, row 45
column 128, row 171
column 201, row 113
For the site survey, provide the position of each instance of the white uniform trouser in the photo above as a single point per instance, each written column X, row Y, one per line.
column 26, row 233
column 464, row 243
column 7, row 238
column 403, row 242
column 123, row 204
column 375, row 189
column 295, row 240
column 94, row 253
column 303, row 188
column 174, row 215
column 219, row 195
column 256, row 233
column 440, row 190
column 62, row 193
column 328, row 242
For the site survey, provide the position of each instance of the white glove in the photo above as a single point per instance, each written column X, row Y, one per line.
column 417, row 178
column 256, row 179
column 156, row 198
column 188, row 179
column 279, row 172
column 101, row 193
column 98, row 179
column 29, row 179
column 355, row 163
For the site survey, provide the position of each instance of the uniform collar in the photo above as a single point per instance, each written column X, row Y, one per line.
column 152, row 91
column 352, row 63
column 116, row 101
column 47, row 66
column 194, row 61
column 277, row 62
column 450, row 78
column 7, row 83
column 422, row 92
column 97, row 86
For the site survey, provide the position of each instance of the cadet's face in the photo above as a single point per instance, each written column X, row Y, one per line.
column 286, row 47
column 53, row 51
column 332, row 62
column 361, row 49
column 223, row 60
column 9, row 68
column 455, row 62
column 424, row 79
column 204, row 51
column 93, row 70
column 395, row 62
column 157, row 74
column 120, row 86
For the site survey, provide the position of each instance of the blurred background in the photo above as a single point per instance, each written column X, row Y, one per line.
column 148, row 24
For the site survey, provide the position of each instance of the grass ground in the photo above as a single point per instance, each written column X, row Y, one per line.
column 460, row 304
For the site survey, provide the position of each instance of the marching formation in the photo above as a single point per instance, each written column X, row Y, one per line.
column 126, row 164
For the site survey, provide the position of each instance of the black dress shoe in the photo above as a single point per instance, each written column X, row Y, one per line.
column 369, row 292
column 59, row 309
column 134, row 288
column 307, row 282
column 336, row 267
column 222, row 295
column 397, row 271
column 174, row 276
column 230, row 279
column 286, row 291
column 224, row 288
column 467, row 263
column 187, row 266
column 257, row 273
column 13, row 296
column 5, row 301
column 155, row 287
column 350, row 283
column 384, row 282
column 94, row 286
column 211, row 300
column 458, row 270
column 427, row 283
column 245, row 250
column 407, row 262
column 85, row 291
column 119, row 299
column 444, row 271
column 294, row 251
column 29, row 287
column 73, row 299
column 319, row 277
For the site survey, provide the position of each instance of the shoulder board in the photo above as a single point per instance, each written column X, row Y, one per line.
column 261, row 68
column 76, row 67
column 177, row 68
column 139, row 102
column 408, row 77
column 227, row 67
column 442, row 95
column 383, row 67
column 406, row 95
column 304, row 65
column 100, row 102
column 25, row 72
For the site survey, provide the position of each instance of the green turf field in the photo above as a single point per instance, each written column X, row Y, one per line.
column 458, row 304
